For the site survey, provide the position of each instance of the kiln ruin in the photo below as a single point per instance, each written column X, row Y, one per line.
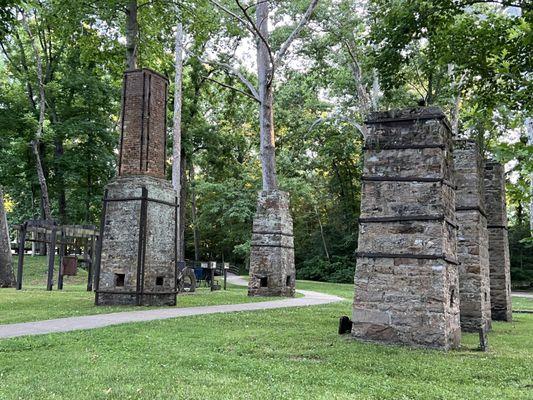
column 137, row 255
column 432, row 221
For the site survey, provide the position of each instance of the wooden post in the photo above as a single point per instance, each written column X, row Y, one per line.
column 225, row 267
column 62, row 247
column 141, row 246
column 51, row 260
column 98, row 254
column 22, row 240
column 89, row 262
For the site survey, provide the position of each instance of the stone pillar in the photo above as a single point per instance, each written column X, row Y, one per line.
column 137, row 254
column 272, row 271
column 500, row 269
column 472, row 238
column 406, row 279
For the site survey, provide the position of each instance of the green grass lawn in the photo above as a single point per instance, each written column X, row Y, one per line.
column 275, row 354
column 34, row 303
column 520, row 303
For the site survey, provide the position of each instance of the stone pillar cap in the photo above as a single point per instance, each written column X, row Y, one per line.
column 151, row 71
column 405, row 114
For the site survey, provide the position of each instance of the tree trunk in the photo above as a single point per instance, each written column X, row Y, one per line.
column 62, row 198
column 529, row 130
column 7, row 278
column 132, row 35
column 42, row 181
column 42, row 105
column 196, row 233
column 176, row 133
column 183, row 202
column 176, row 130
column 322, row 233
column 266, row 95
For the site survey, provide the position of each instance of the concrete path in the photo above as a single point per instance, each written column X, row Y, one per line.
column 102, row 320
column 527, row 295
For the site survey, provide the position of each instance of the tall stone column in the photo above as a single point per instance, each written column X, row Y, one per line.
column 137, row 255
column 406, row 279
column 272, row 271
column 500, row 265
column 472, row 238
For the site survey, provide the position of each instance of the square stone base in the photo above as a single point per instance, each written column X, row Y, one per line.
column 115, row 299
column 407, row 301
column 473, row 254
column 124, row 255
column 500, row 275
column 272, row 271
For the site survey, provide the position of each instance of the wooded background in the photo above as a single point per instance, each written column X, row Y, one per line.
column 61, row 66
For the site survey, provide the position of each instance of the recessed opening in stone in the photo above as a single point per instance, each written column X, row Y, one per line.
column 452, row 298
column 264, row 281
column 486, row 297
column 288, row 283
column 119, row 280
column 159, row 280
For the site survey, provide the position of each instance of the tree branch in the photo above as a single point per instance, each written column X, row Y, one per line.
column 231, row 13
column 361, row 128
column 6, row 54
column 362, row 93
column 296, row 32
column 39, row 76
column 258, row 33
column 228, row 68
column 231, row 87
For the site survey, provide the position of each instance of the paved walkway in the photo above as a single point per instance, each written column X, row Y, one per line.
column 527, row 295
column 102, row 320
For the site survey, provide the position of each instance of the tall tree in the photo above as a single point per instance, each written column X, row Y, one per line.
column 268, row 60
column 132, row 34
column 40, row 125
column 7, row 278
column 176, row 129
column 529, row 131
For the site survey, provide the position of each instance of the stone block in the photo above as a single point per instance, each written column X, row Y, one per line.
column 472, row 238
column 406, row 280
column 122, row 251
column 272, row 271
column 499, row 259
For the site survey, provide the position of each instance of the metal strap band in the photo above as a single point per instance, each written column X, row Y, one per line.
column 406, row 147
column 407, row 179
column 497, row 227
column 408, row 219
column 167, row 203
column 476, row 208
column 273, row 233
column 408, row 255
column 272, row 245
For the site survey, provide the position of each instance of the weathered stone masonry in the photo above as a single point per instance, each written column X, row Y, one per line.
column 500, row 274
column 137, row 263
column 272, row 271
column 472, row 238
column 406, row 281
